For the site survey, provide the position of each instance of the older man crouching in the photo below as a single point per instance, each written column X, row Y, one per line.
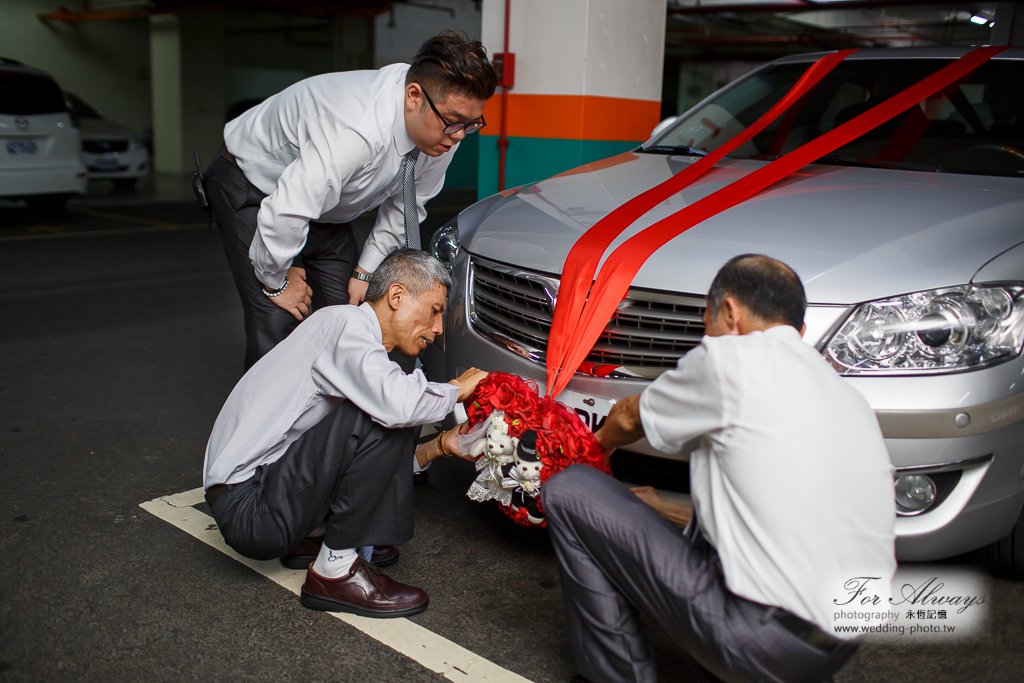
column 792, row 492
column 315, row 440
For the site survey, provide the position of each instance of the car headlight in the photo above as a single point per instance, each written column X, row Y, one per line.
column 444, row 245
column 138, row 143
column 942, row 330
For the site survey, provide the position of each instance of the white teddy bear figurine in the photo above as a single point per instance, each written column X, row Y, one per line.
column 497, row 444
column 497, row 448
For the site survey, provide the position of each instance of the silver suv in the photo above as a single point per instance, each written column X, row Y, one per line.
column 909, row 241
column 40, row 144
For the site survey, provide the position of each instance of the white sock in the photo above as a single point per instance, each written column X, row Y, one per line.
column 334, row 564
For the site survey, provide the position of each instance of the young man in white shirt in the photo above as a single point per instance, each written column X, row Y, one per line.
column 312, row 447
column 297, row 168
column 792, row 493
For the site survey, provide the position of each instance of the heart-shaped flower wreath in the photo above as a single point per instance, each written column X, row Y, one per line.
column 522, row 439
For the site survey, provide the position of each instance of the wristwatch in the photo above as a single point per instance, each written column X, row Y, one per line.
column 365, row 277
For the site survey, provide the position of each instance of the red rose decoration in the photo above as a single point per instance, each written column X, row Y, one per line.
column 562, row 439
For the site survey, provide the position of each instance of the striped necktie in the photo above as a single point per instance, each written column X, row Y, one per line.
column 412, row 219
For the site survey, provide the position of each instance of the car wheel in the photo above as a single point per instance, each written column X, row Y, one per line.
column 125, row 184
column 1006, row 556
column 48, row 204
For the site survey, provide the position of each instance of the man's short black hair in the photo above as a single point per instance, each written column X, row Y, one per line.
column 451, row 63
column 768, row 288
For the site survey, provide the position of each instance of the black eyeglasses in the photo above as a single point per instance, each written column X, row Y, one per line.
column 452, row 128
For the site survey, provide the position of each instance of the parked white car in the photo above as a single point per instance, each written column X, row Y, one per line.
column 40, row 144
column 110, row 151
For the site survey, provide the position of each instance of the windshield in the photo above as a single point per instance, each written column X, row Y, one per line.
column 976, row 128
column 25, row 94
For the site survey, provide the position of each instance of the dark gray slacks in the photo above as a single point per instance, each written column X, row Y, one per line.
column 346, row 469
column 619, row 558
column 329, row 257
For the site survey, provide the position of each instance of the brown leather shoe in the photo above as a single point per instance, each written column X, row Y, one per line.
column 308, row 548
column 385, row 555
column 366, row 591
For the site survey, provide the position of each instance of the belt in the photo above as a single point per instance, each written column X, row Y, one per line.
column 805, row 630
column 227, row 155
column 214, row 491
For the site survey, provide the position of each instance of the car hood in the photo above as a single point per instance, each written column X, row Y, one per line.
column 101, row 128
column 852, row 234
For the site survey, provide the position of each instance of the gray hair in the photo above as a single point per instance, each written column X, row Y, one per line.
column 415, row 270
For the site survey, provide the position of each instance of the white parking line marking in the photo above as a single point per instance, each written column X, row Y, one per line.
column 424, row 647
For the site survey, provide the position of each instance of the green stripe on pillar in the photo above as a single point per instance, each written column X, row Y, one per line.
column 462, row 171
column 528, row 160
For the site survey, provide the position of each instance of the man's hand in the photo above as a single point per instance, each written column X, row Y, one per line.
column 451, row 442
column 427, row 452
column 467, row 381
column 673, row 512
column 623, row 425
column 296, row 297
column 357, row 288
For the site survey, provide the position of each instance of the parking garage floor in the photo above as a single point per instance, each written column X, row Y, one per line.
column 121, row 336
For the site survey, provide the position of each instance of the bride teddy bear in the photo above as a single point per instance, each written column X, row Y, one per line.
column 495, row 451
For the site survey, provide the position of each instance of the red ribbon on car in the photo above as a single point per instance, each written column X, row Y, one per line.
column 585, row 306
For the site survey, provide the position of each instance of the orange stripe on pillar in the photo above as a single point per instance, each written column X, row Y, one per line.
column 574, row 117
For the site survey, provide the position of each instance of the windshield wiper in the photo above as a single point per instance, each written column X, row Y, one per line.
column 877, row 163
column 685, row 150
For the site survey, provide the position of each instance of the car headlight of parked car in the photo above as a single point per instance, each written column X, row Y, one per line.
column 138, row 142
column 936, row 331
column 444, row 245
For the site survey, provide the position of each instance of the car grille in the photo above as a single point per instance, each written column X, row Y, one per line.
column 104, row 146
column 648, row 333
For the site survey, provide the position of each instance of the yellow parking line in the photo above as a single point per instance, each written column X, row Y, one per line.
column 165, row 227
column 117, row 216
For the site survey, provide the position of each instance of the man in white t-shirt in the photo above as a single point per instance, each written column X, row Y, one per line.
column 792, row 500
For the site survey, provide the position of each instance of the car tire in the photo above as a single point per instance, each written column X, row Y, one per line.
column 47, row 204
column 1006, row 556
column 125, row 184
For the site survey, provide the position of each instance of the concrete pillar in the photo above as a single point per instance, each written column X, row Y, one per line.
column 587, row 84
column 353, row 43
column 187, row 66
column 165, row 74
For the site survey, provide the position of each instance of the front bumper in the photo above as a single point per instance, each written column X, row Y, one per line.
column 984, row 504
column 58, row 179
column 117, row 165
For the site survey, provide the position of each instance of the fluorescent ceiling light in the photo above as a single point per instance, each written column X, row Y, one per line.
column 979, row 19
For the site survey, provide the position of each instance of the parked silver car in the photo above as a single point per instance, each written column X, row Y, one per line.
column 110, row 151
column 910, row 247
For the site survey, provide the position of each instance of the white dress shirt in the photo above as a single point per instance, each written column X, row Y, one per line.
column 335, row 354
column 328, row 149
column 792, row 482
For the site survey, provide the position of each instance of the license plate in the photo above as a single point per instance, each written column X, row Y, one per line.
column 593, row 410
column 107, row 163
column 22, row 147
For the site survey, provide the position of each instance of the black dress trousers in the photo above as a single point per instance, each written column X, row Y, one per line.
column 329, row 257
column 346, row 470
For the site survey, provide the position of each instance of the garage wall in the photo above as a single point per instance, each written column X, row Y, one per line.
column 105, row 63
column 399, row 32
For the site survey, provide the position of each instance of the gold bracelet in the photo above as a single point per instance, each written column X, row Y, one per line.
column 440, row 444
